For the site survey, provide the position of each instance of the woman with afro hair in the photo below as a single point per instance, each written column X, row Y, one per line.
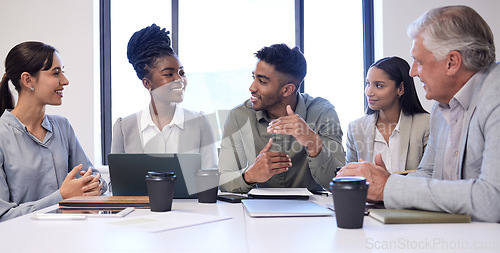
column 163, row 126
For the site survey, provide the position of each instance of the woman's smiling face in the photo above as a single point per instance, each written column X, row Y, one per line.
column 166, row 70
column 49, row 84
column 381, row 92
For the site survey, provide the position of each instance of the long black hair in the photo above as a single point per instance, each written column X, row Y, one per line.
column 31, row 57
column 146, row 46
column 398, row 70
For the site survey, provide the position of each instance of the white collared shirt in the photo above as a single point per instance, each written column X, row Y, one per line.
column 166, row 140
column 389, row 151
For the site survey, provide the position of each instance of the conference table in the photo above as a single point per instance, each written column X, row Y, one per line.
column 241, row 233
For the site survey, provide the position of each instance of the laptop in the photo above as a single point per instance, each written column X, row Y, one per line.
column 284, row 208
column 128, row 171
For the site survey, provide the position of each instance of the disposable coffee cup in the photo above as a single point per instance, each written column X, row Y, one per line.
column 160, row 190
column 207, row 185
column 349, row 198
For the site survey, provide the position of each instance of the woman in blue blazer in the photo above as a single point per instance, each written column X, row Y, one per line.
column 396, row 126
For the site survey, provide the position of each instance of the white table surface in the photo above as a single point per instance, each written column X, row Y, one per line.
column 243, row 233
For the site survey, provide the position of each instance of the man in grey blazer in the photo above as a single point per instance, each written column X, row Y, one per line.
column 454, row 56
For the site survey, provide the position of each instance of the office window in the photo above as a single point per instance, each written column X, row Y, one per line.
column 128, row 95
column 333, row 38
column 216, row 43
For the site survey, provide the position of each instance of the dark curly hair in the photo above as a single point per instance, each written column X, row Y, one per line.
column 146, row 46
column 290, row 62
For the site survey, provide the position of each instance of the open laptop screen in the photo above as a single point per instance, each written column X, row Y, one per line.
column 128, row 171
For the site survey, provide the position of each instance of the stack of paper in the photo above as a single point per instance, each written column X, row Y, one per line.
column 105, row 202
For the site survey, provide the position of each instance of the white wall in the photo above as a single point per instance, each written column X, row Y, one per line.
column 392, row 18
column 69, row 27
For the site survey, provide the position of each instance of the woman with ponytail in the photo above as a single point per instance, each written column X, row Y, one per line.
column 6, row 101
column 41, row 159
column 163, row 126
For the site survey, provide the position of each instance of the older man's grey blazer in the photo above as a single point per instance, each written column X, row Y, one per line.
column 195, row 137
column 478, row 192
column 413, row 136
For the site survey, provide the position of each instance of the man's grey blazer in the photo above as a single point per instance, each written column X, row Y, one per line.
column 413, row 136
column 478, row 192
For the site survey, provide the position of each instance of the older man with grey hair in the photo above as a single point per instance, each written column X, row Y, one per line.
column 454, row 57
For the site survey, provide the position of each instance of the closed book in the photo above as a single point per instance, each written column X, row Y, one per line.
column 403, row 216
column 105, row 202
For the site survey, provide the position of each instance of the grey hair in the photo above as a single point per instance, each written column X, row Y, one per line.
column 456, row 28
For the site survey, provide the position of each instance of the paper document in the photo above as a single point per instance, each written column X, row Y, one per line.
column 166, row 221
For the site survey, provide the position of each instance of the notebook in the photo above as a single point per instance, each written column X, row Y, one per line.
column 284, row 208
column 403, row 216
column 98, row 202
column 127, row 172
